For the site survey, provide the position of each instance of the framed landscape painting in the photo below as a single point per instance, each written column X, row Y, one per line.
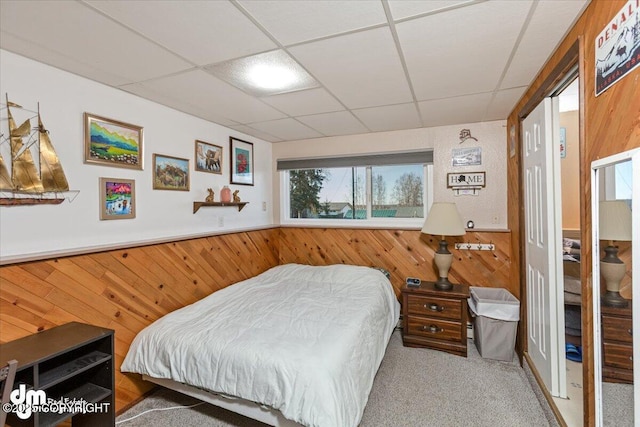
column 112, row 143
column 117, row 198
column 170, row 173
column 208, row 157
column 242, row 165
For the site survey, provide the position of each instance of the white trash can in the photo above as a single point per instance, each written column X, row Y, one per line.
column 496, row 313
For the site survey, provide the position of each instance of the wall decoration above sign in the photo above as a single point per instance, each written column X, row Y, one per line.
column 618, row 47
column 466, row 134
column 466, row 156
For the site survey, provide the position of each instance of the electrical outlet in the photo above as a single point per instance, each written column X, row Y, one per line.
column 264, row 206
column 495, row 219
column 220, row 221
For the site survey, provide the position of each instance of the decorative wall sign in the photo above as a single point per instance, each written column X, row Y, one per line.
column 618, row 47
column 466, row 156
column 466, row 180
column 563, row 143
column 466, row 134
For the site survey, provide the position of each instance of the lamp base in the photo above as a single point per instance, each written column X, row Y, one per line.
column 442, row 284
column 613, row 299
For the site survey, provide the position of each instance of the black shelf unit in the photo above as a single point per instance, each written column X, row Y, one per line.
column 73, row 361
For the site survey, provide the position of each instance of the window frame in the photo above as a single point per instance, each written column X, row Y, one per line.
column 369, row 222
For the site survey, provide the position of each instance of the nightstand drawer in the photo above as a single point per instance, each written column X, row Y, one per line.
column 435, row 328
column 617, row 329
column 434, row 307
column 619, row 356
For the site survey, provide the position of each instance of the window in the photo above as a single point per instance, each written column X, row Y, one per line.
column 381, row 194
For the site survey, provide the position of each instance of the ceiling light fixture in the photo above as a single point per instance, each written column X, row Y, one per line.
column 265, row 74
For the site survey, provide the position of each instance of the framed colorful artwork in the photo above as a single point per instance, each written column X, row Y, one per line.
column 208, row 157
column 242, row 165
column 112, row 143
column 170, row 173
column 117, row 198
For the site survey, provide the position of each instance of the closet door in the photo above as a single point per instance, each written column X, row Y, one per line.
column 545, row 327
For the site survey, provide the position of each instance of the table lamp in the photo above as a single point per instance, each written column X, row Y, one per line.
column 614, row 224
column 443, row 220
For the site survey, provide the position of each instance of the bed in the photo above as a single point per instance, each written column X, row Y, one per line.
column 295, row 344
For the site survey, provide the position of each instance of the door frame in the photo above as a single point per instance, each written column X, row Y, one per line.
column 574, row 56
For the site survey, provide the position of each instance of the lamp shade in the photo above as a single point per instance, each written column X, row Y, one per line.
column 615, row 220
column 443, row 220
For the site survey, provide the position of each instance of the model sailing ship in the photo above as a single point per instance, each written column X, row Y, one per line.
column 28, row 184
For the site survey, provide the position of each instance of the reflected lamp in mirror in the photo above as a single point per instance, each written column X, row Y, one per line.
column 614, row 225
column 443, row 220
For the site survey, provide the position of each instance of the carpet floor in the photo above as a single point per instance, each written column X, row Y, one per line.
column 414, row 387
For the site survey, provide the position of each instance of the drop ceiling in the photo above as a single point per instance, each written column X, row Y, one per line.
column 381, row 65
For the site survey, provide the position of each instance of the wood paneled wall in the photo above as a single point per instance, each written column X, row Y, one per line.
column 609, row 124
column 127, row 289
column 405, row 253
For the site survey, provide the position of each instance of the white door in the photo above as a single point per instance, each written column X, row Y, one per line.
column 545, row 287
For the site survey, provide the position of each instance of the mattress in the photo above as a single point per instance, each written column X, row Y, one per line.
column 304, row 340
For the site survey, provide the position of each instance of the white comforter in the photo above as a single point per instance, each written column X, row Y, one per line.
column 304, row 340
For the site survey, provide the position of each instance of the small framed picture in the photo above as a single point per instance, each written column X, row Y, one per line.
column 208, row 157
column 117, row 198
column 112, row 143
column 170, row 173
column 242, row 165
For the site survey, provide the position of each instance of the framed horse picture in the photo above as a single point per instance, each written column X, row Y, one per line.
column 208, row 157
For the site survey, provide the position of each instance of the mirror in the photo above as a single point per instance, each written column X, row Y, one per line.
column 615, row 190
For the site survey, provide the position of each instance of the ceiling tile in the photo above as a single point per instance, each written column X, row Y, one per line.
column 362, row 69
column 451, row 111
column 286, row 129
column 176, row 103
column 207, row 92
column 390, row 117
column 189, row 28
column 73, row 30
column 305, row 102
column 463, row 51
column 297, row 21
column 332, row 124
column 405, row 8
column 503, row 103
column 18, row 45
column 253, row 132
column 546, row 29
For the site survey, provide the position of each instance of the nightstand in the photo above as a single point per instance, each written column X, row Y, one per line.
column 617, row 344
column 435, row 319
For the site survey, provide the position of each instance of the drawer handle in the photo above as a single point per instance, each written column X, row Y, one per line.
column 631, row 358
column 434, row 307
column 630, row 332
column 433, row 329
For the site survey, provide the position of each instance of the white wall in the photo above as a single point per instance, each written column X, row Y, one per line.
column 488, row 210
column 32, row 231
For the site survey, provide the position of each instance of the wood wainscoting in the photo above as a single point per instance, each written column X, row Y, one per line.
column 404, row 253
column 127, row 289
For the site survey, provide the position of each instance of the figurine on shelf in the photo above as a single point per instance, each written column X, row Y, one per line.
column 209, row 198
column 236, row 198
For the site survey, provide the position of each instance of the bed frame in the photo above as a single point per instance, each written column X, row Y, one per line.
column 238, row 405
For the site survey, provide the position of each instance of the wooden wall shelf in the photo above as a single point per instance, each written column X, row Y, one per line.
column 198, row 205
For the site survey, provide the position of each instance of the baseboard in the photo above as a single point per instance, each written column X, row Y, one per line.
column 136, row 401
